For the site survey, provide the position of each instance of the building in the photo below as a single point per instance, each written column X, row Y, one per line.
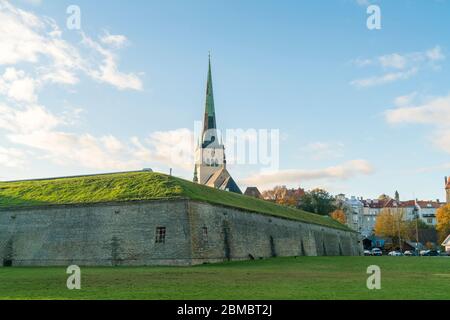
column 152, row 219
column 446, row 244
column 424, row 210
column 372, row 209
column 253, row 192
column 355, row 213
column 147, row 218
column 411, row 210
column 210, row 161
column 353, row 208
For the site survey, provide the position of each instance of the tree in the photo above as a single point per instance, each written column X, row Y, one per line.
column 317, row 201
column 443, row 221
column 384, row 197
column 283, row 195
column 391, row 223
column 414, row 226
column 339, row 215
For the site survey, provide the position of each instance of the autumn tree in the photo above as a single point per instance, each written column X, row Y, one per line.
column 339, row 215
column 443, row 221
column 318, row 201
column 391, row 223
column 283, row 195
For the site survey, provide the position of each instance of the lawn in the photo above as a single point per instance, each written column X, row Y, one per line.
column 135, row 186
column 279, row 278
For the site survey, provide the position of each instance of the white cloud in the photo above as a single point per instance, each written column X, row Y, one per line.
column 406, row 100
column 115, row 40
column 26, row 37
column 340, row 172
column 28, row 120
column 40, row 130
column 108, row 72
column 16, row 85
column 434, row 113
column 33, row 2
column 397, row 66
column 385, row 78
column 435, row 54
column 175, row 147
column 12, row 158
column 394, row 60
column 36, row 43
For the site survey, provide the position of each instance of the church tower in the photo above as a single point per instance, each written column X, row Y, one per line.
column 210, row 162
column 447, row 189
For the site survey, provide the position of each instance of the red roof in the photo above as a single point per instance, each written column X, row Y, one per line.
column 392, row 203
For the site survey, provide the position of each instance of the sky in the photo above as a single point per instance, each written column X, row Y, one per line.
column 357, row 111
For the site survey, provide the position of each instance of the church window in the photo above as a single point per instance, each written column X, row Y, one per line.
column 160, row 235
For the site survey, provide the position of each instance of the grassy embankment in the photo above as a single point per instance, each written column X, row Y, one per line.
column 136, row 186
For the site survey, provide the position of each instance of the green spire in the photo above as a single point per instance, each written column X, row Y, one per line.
column 209, row 122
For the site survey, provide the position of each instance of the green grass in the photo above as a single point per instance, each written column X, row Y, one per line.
column 304, row 278
column 138, row 186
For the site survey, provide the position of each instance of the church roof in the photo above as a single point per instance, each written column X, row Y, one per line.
column 253, row 192
column 138, row 186
column 222, row 180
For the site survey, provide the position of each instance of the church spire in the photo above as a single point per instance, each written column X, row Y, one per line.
column 209, row 122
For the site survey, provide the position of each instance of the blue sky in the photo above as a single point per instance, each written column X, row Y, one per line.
column 360, row 111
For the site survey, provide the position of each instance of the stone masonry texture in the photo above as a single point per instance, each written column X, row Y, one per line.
column 125, row 234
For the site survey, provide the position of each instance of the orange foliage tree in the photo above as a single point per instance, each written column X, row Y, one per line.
column 443, row 221
column 339, row 215
column 284, row 196
column 391, row 223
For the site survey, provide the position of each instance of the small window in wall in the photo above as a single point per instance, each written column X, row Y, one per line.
column 160, row 235
column 205, row 234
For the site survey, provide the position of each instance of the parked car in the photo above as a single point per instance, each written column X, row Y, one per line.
column 376, row 252
column 395, row 253
column 367, row 252
column 431, row 253
column 422, row 252
column 408, row 253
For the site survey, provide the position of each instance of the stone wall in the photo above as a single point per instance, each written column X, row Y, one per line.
column 104, row 234
column 238, row 235
column 112, row 234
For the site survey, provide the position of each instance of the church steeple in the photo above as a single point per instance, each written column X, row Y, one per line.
column 210, row 162
column 209, row 134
